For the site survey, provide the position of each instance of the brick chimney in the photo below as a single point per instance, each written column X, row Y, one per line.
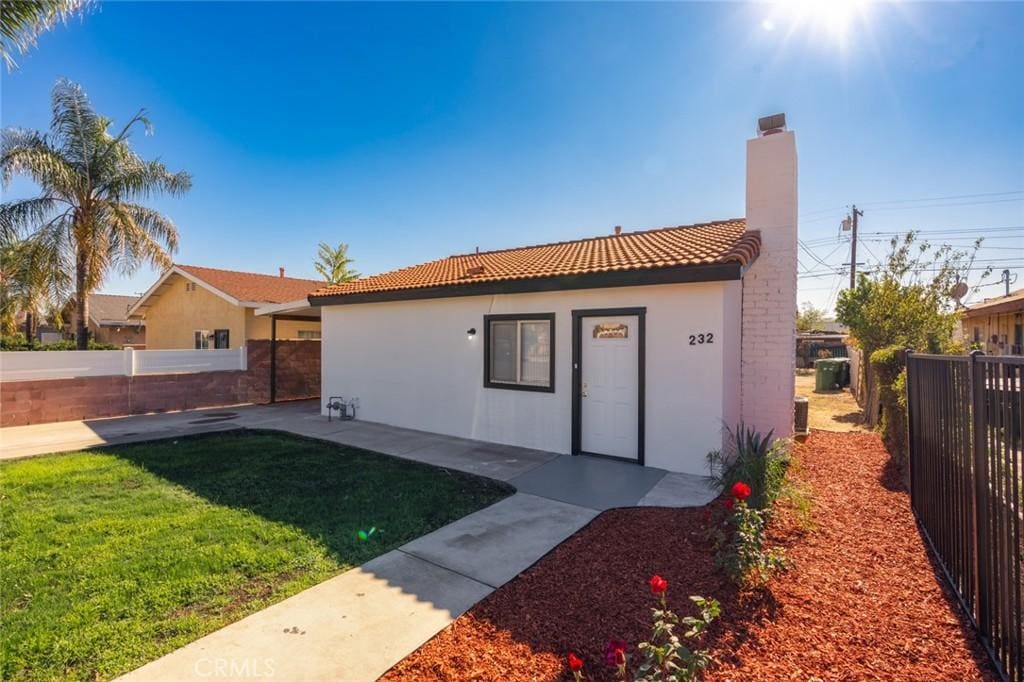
column 769, row 286
column 280, row 272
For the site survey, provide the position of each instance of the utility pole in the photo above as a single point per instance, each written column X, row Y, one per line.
column 1006, row 280
column 853, row 245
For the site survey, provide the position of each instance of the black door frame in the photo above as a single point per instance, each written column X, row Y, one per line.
column 577, row 373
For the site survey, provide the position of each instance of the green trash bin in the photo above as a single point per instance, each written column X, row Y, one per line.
column 827, row 374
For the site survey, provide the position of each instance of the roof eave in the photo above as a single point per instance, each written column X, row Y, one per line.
column 682, row 274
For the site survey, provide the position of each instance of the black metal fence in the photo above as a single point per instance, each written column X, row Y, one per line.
column 966, row 487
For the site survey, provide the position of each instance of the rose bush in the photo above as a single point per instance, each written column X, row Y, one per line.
column 739, row 541
column 665, row 658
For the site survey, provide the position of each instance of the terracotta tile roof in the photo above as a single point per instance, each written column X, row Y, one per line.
column 250, row 286
column 725, row 241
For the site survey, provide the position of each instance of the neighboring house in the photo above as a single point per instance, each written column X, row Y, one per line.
column 640, row 346
column 196, row 307
column 996, row 325
column 109, row 321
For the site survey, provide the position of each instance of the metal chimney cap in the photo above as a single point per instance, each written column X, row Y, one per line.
column 766, row 125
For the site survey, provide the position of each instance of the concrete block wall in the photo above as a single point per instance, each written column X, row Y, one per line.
column 42, row 401
column 769, row 286
column 298, row 370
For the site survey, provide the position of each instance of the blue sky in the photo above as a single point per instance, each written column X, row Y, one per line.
column 413, row 132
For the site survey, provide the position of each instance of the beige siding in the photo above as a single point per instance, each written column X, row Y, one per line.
column 1000, row 326
column 259, row 327
column 175, row 315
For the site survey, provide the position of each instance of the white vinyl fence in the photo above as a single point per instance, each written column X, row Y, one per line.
column 68, row 364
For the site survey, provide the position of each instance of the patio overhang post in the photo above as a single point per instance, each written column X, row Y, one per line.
column 273, row 358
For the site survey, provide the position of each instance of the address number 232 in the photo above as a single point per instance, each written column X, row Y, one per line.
column 701, row 339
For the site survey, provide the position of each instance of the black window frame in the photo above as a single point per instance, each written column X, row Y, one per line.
column 216, row 339
column 519, row 317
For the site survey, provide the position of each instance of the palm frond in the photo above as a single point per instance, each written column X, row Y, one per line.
column 141, row 180
column 26, row 152
column 19, row 217
column 23, row 21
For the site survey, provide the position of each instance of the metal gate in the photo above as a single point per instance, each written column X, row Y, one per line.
column 966, row 487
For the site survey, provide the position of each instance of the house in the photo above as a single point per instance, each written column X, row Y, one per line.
column 996, row 325
column 109, row 321
column 639, row 346
column 199, row 307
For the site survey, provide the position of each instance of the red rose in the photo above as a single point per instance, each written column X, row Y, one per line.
column 575, row 662
column 658, row 584
column 615, row 652
column 728, row 503
column 740, row 490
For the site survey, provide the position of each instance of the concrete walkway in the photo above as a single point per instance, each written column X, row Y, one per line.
column 356, row 625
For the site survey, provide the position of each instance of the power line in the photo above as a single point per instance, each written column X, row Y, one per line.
column 948, row 205
column 944, row 198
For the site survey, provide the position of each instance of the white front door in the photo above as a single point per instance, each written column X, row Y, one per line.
column 609, row 390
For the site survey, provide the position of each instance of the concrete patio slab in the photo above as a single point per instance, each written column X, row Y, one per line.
column 496, row 544
column 501, row 462
column 590, row 482
column 679, row 490
column 39, row 439
column 352, row 627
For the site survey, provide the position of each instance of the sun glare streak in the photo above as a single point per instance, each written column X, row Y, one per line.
column 831, row 21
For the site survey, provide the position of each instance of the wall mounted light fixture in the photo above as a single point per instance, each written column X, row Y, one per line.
column 471, row 332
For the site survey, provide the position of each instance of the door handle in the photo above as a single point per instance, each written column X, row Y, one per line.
column 583, row 391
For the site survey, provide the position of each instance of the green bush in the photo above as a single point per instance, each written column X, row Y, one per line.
column 889, row 364
column 16, row 342
column 756, row 460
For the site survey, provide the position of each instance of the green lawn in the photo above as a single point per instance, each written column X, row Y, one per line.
column 113, row 557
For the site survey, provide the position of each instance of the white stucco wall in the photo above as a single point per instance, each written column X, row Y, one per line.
column 411, row 364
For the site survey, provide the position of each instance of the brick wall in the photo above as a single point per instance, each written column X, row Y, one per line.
column 43, row 401
column 298, row 370
column 769, row 286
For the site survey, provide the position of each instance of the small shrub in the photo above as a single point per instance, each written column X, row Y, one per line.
column 889, row 364
column 16, row 342
column 739, row 542
column 665, row 657
column 757, row 460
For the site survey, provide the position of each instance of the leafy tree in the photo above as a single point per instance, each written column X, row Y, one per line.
column 906, row 302
column 23, row 21
column 333, row 263
column 88, row 218
column 809, row 318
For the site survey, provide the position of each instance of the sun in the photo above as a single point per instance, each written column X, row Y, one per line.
column 823, row 18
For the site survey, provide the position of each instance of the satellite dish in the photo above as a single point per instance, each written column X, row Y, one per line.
column 959, row 291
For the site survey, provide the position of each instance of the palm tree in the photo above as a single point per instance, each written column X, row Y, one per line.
column 88, row 218
column 22, row 22
column 31, row 282
column 333, row 263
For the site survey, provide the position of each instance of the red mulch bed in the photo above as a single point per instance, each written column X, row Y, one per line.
column 862, row 601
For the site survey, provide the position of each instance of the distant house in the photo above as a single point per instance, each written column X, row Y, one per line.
column 198, row 307
column 109, row 321
column 995, row 325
